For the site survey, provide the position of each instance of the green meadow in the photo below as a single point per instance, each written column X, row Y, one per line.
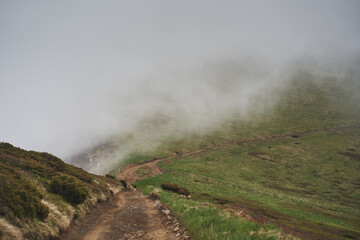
column 289, row 171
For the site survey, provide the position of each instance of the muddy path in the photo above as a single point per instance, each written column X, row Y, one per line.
column 129, row 172
column 129, row 215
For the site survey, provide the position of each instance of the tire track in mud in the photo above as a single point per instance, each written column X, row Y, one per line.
column 129, row 172
column 130, row 215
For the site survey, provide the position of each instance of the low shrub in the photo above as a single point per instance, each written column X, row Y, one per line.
column 54, row 162
column 124, row 183
column 175, row 188
column 109, row 176
column 19, row 197
column 78, row 173
column 69, row 188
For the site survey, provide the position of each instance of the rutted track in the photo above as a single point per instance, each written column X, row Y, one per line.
column 129, row 215
column 129, row 172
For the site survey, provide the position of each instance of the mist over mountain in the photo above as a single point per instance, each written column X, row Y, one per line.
column 207, row 119
column 74, row 74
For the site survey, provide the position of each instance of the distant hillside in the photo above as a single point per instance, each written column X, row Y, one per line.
column 285, row 170
column 40, row 194
column 295, row 166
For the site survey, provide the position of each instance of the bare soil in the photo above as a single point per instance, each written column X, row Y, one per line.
column 129, row 215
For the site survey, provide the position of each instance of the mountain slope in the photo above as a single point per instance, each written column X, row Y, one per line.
column 295, row 165
column 40, row 194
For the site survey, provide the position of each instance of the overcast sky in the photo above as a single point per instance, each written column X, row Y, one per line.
column 61, row 62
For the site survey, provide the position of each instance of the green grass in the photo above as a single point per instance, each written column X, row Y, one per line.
column 308, row 182
column 301, row 181
column 208, row 222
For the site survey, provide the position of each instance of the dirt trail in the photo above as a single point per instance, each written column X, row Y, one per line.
column 129, row 216
column 129, row 172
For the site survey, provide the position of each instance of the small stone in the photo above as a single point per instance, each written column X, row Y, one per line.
column 176, row 229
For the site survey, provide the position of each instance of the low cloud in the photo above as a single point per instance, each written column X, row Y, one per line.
column 74, row 74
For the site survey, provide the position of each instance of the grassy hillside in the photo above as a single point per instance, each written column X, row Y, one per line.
column 295, row 166
column 40, row 194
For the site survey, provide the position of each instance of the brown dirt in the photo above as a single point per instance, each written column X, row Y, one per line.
column 129, row 215
column 129, row 172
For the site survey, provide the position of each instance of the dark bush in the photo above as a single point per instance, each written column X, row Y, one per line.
column 20, row 198
column 124, row 183
column 175, row 188
column 109, row 176
column 78, row 173
column 54, row 162
column 69, row 188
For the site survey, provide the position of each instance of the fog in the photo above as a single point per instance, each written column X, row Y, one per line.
column 73, row 73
